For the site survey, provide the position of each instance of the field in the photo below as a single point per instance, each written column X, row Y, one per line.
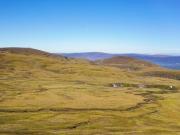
column 44, row 94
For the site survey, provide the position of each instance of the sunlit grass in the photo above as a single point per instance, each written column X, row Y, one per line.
column 47, row 95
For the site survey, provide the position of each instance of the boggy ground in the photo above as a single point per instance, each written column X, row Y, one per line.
column 44, row 95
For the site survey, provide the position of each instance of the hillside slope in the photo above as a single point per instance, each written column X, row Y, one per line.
column 45, row 95
column 125, row 62
column 25, row 51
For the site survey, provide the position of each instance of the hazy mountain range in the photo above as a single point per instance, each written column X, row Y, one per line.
column 172, row 62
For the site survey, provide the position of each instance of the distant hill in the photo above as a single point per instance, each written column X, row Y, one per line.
column 126, row 62
column 89, row 55
column 172, row 62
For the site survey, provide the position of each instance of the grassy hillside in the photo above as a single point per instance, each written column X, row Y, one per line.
column 44, row 94
column 127, row 63
column 164, row 74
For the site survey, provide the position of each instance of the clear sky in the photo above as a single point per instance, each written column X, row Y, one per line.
column 115, row 26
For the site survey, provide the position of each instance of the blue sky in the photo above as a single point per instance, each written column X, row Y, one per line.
column 115, row 26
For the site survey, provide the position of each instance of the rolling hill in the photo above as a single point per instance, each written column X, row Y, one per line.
column 126, row 62
column 46, row 94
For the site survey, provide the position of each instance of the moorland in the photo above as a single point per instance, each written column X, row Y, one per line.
column 48, row 94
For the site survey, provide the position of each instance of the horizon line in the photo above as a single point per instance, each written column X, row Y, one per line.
column 105, row 52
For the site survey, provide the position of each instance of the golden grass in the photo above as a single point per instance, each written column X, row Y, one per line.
column 44, row 95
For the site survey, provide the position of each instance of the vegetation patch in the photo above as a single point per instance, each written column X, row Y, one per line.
column 164, row 74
